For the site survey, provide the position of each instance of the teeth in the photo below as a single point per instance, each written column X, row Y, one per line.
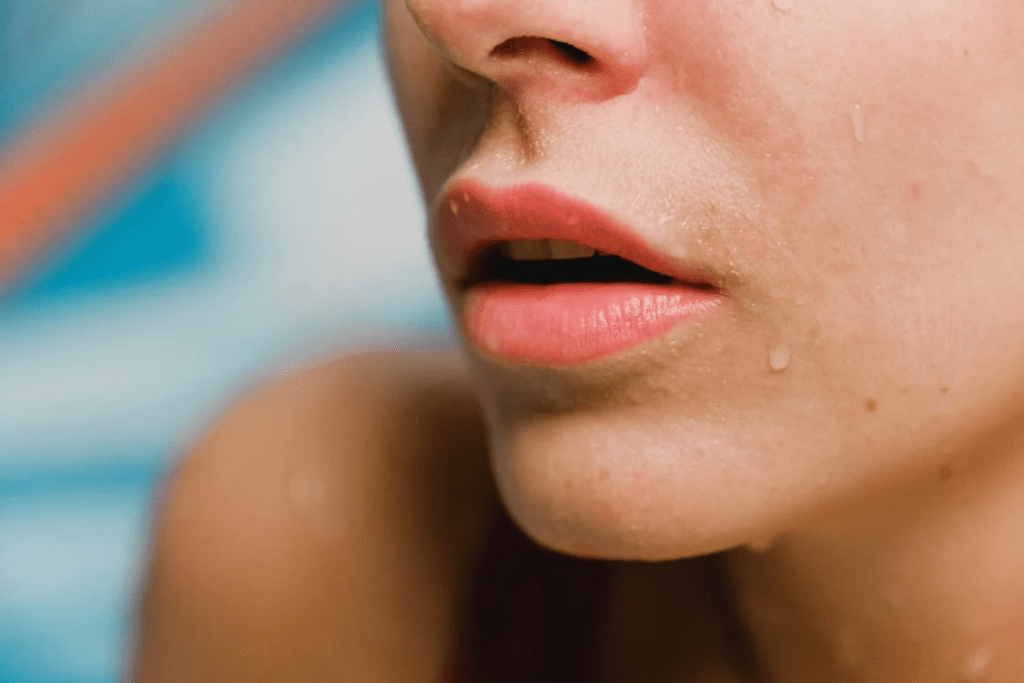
column 566, row 250
column 527, row 250
column 543, row 250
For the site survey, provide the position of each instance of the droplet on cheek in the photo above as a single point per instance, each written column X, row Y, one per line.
column 857, row 119
column 778, row 358
column 895, row 596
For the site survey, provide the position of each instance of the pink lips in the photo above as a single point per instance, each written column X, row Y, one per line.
column 561, row 324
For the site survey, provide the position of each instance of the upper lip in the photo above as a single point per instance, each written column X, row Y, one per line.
column 472, row 217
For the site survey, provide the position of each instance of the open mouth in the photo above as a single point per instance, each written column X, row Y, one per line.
column 546, row 279
column 552, row 262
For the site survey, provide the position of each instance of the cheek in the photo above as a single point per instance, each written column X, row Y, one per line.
column 715, row 61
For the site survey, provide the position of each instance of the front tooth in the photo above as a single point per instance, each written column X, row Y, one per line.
column 567, row 250
column 526, row 250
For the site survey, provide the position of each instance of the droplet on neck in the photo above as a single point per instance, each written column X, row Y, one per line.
column 849, row 651
column 976, row 666
column 778, row 358
column 857, row 119
column 784, row 5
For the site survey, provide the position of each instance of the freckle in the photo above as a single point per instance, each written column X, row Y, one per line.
column 870, row 405
column 915, row 190
column 778, row 358
column 944, row 390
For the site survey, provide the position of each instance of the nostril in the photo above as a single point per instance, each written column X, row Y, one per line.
column 574, row 54
column 524, row 46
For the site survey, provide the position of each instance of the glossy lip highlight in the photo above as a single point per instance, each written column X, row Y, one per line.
column 560, row 324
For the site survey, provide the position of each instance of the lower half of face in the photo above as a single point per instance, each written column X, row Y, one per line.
column 849, row 179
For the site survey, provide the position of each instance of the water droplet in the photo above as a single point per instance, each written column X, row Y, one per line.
column 305, row 489
column 308, row 496
column 784, row 5
column 896, row 596
column 976, row 666
column 761, row 545
column 857, row 119
column 771, row 226
column 778, row 358
column 848, row 650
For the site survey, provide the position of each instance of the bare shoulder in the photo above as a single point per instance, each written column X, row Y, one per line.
column 324, row 528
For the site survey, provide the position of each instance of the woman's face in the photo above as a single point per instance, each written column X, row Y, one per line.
column 846, row 179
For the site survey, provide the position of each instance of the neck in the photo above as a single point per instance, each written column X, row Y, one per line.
column 927, row 585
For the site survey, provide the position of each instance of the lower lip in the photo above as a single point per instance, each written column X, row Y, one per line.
column 575, row 323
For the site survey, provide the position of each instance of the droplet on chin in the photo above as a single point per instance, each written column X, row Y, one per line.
column 761, row 545
column 778, row 358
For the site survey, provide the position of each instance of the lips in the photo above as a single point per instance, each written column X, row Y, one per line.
column 563, row 312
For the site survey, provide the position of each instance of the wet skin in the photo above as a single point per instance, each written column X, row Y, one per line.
column 851, row 172
column 723, row 134
column 343, row 525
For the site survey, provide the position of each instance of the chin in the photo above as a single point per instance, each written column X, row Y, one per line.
column 613, row 487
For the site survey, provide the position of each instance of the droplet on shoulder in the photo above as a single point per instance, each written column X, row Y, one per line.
column 778, row 358
column 976, row 666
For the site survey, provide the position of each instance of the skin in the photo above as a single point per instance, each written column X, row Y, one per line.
column 851, row 173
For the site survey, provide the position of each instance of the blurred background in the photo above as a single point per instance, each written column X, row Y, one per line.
column 195, row 196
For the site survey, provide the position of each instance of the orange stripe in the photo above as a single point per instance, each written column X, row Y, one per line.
column 62, row 168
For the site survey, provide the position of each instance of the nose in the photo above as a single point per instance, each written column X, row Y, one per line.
column 573, row 49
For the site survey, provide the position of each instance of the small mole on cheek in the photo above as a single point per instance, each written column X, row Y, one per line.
column 944, row 390
column 914, row 191
column 870, row 405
